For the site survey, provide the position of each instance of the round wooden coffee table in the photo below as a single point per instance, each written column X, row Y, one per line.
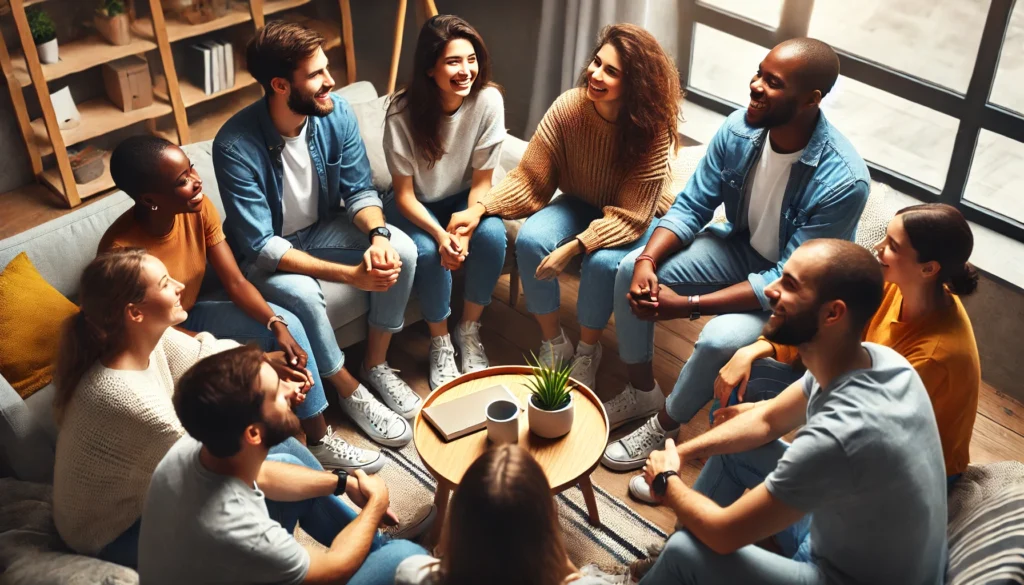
column 567, row 461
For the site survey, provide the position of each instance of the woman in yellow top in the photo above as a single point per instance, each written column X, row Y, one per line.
column 605, row 144
column 924, row 260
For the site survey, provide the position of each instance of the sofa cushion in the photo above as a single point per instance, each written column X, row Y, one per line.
column 32, row 316
column 986, row 525
column 370, row 116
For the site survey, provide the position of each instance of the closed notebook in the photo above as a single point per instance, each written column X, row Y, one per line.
column 466, row 414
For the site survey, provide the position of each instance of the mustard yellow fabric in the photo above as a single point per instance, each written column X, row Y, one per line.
column 32, row 315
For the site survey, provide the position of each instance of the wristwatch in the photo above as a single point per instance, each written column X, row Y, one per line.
column 380, row 231
column 276, row 319
column 660, row 484
column 694, row 302
column 342, row 481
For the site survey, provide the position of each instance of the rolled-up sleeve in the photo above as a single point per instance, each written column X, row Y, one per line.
column 249, row 220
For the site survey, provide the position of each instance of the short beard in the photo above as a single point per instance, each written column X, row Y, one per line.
column 795, row 329
column 306, row 105
column 280, row 431
column 778, row 118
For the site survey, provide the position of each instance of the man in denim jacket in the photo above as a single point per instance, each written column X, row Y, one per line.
column 785, row 176
column 295, row 181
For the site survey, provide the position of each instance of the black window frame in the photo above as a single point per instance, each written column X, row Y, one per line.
column 972, row 109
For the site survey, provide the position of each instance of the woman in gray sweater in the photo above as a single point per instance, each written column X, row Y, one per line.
column 442, row 142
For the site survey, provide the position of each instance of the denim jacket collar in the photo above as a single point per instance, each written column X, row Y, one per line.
column 812, row 152
column 272, row 138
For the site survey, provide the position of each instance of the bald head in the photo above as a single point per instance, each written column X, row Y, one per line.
column 842, row 270
column 817, row 65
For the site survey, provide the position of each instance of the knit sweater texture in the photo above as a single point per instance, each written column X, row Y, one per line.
column 116, row 429
column 573, row 150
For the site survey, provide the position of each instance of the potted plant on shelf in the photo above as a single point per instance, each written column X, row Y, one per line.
column 44, row 35
column 111, row 21
column 550, row 405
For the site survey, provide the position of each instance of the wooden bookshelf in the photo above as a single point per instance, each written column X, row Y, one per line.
column 81, row 55
column 155, row 32
column 99, row 117
column 51, row 178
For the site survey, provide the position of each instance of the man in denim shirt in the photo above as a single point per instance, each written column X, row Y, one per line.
column 287, row 166
column 785, row 175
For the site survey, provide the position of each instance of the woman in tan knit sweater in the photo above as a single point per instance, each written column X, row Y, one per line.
column 119, row 360
column 606, row 145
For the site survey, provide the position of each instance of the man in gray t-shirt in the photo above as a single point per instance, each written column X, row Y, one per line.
column 218, row 511
column 859, row 497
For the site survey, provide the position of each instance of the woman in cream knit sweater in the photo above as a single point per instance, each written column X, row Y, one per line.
column 606, row 145
column 120, row 358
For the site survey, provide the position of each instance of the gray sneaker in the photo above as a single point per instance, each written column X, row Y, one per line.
column 442, row 362
column 420, row 524
column 395, row 393
column 584, row 367
column 467, row 338
column 631, row 451
column 376, row 420
column 337, row 453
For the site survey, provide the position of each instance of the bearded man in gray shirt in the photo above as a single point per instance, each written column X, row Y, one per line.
column 859, row 497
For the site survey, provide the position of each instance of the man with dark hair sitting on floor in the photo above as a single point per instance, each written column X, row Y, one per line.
column 216, row 513
column 864, row 475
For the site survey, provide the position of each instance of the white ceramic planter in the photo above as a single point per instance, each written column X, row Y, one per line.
column 551, row 424
column 48, row 52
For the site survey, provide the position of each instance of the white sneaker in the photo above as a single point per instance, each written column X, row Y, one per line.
column 442, row 362
column 584, row 367
column 337, row 453
column 467, row 337
column 376, row 420
column 631, row 451
column 639, row 489
column 556, row 351
column 395, row 393
column 593, row 574
column 632, row 404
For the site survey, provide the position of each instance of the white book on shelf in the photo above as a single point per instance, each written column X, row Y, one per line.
column 229, row 65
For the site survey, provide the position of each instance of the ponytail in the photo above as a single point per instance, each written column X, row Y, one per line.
column 109, row 284
column 964, row 281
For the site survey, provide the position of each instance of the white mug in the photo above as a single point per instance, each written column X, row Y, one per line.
column 503, row 422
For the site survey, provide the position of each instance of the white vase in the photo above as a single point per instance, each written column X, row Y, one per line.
column 48, row 52
column 551, row 424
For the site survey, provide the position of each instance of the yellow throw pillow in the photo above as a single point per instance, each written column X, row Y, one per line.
column 32, row 316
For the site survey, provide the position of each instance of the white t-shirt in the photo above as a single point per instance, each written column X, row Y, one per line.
column 300, row 185
column 764, row 208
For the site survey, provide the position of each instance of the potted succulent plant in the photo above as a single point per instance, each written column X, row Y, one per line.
column 111, row 21
column 44, row 34
column 550, row 406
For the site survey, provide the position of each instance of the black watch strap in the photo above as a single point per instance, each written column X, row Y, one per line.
column 660, row 484
column 342, row 481
column 379, row 231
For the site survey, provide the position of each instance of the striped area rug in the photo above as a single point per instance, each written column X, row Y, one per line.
column 623, row 536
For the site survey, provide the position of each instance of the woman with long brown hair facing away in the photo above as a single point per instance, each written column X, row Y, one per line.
column 442, row 142
column 502, row 529
column 606, row 145
column 119, row 360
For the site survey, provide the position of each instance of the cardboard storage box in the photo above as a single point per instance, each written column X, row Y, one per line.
column 128, row 83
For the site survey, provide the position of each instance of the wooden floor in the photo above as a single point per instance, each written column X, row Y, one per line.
column 509, row 333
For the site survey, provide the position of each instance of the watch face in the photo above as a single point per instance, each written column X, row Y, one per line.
column 660, row 484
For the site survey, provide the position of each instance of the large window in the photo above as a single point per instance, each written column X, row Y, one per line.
column 929, row 92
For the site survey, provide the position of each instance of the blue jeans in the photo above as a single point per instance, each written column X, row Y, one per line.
column 724, row 479
column 709, row 264
column 768, row 378
column 324, row 517
column 225, row 320
column 336, row 240
column 554, row 225
column 124, row 550
column 433, row 282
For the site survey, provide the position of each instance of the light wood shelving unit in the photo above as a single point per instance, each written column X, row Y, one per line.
column 155, row 32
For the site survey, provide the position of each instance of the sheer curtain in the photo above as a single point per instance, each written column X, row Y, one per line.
column 568, row 31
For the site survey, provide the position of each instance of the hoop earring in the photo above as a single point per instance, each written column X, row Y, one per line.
column 153, row 207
